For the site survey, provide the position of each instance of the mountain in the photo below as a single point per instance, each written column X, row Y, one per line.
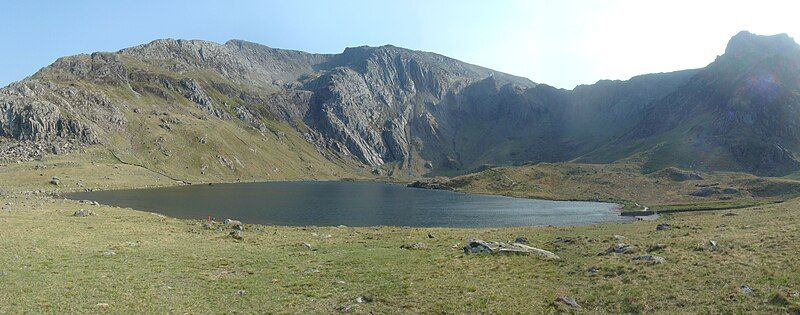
column 196, row 109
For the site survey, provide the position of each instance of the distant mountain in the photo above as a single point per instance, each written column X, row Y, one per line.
column 199, row 109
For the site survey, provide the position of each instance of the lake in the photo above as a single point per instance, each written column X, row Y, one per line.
column 330, row 203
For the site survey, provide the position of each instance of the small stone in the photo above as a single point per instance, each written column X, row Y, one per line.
column 234, row 224
column 619, row 238
column 108, row 253
column 241, row 293
column 746, row 289
column 312, row 270
column 649, row 259
column 340, row 282
column 307, row 245
column 55, row 181
column 82, row 213
column 521, row 240
column 364, row 299
column 430, row 235
column 713, row 245
column 568, row 301
column 414, row 246
column 236, row 234
column 593, row 270
column 208, row 225
column 662, row 226
column 102, row 305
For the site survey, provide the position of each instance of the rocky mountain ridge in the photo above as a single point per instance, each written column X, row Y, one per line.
column 402, row 112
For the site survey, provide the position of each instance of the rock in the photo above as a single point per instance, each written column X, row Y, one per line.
column 312, row 270
column 102, row 305
column 522, row 249
column 364, row 299
column 649, row 259
column 234, row 224
column 241, row 293
column 108, row 253
column 95, row 203
column 568, row 301
column 521, row 240
column 208, row 225
column 55, row 181
column 656, row 247
column 713, row 245
column 662, row 226
column 593, row 270
column 622, row 248
column 414, row 246
column 430, row 235
column 476, row 246
column 746, row 289
column 307, row 245
column 619, row 238
column 237, row 234
column 83, row 213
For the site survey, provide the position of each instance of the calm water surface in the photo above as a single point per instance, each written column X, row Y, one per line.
column 352, row 204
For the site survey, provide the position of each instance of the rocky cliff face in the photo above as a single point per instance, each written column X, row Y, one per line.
column 410, row 112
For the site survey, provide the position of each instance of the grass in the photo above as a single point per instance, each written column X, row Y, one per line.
column 52, row 262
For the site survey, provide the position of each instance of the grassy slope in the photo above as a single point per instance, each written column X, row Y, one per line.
column 623, row 183
column 53, row 262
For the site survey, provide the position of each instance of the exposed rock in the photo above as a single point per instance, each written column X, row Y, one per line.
column 746, row 289
column 568, row 301
column 662, row 226
column 83, row 213
column 414, row 246
column 430, row 235
column 108, row 253
column 236, row 234
column 619, row 238
column 649, row 259
column 622, row 249
column 521, row 240
column 475, row 246
column 55, row 181
column 712, row 245
column 234, row 224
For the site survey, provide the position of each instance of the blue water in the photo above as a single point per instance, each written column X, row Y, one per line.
column 353, row 204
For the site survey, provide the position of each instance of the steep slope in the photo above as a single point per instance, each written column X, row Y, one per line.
column 739, row 113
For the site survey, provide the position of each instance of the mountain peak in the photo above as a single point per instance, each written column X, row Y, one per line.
column 748, row 44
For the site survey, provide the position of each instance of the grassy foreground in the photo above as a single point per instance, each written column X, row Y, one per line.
column 127, row 261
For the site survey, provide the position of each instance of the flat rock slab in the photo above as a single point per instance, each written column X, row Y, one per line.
column 476, row 246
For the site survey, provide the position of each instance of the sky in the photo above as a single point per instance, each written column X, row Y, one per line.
column 561, row 43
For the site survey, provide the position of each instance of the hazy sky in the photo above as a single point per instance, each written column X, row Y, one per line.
column 561, row 43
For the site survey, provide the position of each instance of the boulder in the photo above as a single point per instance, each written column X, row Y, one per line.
column 55, row 181
column 476, row 246
column 522, row 249
column 662, row 226
column 234, row 224
column 236, row 234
